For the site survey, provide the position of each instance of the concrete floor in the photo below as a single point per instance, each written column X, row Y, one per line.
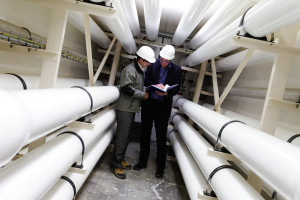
column 102, row 184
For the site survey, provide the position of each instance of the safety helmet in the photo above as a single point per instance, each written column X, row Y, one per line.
column 167, row 52
column 146, row 53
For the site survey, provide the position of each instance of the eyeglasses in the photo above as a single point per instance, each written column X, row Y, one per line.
column 146, row 61
column 163, row 60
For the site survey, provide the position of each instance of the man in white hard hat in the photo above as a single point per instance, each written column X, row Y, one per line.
column 131, row 94
column 158, row 107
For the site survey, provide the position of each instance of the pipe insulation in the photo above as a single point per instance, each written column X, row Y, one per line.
column 45, row 165
column 275, row 161
column 62, row 189
column 190, row 19
column 194, row 179
column 39, row 112
column 224, row 15
column 226, row 183
column 97, row 35
column 11, row 82
column 269, row 15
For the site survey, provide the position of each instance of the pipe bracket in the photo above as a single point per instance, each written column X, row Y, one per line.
column 213, row 173
column 83, row 147
column 221, row 130
column 91, row 98
column 21, row 79
column 71, row 183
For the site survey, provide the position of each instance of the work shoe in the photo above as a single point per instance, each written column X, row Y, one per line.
column 139, row 166
column 126, row 165
column 159, row 173
column 118, row 172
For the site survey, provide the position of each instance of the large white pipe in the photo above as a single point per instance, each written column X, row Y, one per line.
column 12, row 82
column 281, row 133
column 129, row 8
column 118, row 25
column 152, row 13
column 221, row 43
column 226, row 183
column 258, row 93
column 275, row 161
column 97, row 35
column 44, row 166
column 229, row 11
column 190, row 19
column 39, row 112
column 194, row 179
column 62, row 189
column 258, row 57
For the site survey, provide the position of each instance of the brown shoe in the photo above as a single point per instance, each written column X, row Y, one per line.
column 118, row 172
column 126, row 165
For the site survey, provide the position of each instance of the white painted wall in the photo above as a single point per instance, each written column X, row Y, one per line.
column 35, row 17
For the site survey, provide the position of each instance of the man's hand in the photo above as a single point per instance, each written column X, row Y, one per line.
column 161, row 93
column 160, row 86
column 146, row 96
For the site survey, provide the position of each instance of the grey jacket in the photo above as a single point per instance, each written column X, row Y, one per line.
column 131, row 88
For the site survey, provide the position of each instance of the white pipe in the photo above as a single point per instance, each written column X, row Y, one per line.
column 229, row 11
column 152, row 13
column 258, row 93
column 42, row 111
column 258, row 57
column 226, row 183
column 193, row 177
column 44, row 166
column 97, row 35
column 269, row 16
column 281, row 133
column 62, row 189
column 129, row 8
column 118, row 25
column 11, row 82
column 275, row 161
column 221, row 43
column 190, row 19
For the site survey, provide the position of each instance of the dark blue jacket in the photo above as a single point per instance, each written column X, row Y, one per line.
column 173, row 77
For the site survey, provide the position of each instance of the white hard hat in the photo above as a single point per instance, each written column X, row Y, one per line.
column 167, row 52
column 146, row 53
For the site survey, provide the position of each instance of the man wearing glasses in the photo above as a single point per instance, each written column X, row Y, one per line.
column 158, row 108
column 131, row 94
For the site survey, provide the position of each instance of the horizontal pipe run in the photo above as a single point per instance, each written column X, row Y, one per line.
column 194, row 179
column 261, row 13
column 39, row 112
column 226, row 183
column 44, row 166
column 10, row 82
column 62, row 189
column 275, row 161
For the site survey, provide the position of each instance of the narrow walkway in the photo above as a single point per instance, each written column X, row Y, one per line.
column 102, row 184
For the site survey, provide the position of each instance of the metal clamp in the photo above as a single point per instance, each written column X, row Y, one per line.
column 91, row 98
column 213, row 173
column 21, row 79
column 221, row 130
column 71, row 183
column 83, row 147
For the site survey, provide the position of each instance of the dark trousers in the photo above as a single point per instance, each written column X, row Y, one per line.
column 159, row 113
column 124, row 122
